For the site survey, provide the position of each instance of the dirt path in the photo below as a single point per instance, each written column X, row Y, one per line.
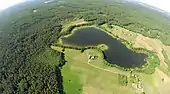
column 102, row 68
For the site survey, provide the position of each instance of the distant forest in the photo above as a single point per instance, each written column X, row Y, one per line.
column 29, row 65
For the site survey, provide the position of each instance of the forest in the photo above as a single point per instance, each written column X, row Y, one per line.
column 27, row 63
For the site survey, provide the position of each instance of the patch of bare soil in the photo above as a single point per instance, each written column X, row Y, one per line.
column 79, row 22
column 153, row 45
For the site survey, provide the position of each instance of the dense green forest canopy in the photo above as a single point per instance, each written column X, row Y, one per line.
column 28, row 65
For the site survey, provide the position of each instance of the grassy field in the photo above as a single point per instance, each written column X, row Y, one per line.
column 83, row 77
column 72, row 84
column 96, row 78
column 92, row 78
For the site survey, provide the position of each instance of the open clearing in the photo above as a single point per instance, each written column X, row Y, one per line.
column 71, row 23
column 97, row 78
column 94, row 79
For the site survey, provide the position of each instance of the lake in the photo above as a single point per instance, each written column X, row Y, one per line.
column 117, row 53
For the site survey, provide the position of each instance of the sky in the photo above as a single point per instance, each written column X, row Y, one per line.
column 162, row 4
column 7, row 3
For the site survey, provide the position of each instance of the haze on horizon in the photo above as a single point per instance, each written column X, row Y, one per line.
column 161, row 4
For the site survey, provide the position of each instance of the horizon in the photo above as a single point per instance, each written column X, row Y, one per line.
column 160, row 4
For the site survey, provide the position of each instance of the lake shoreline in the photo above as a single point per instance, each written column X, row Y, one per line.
column 144, row 68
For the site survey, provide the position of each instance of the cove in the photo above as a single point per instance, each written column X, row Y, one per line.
column 117, row 53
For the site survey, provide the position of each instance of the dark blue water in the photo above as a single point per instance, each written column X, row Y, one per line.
column 117, row 53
